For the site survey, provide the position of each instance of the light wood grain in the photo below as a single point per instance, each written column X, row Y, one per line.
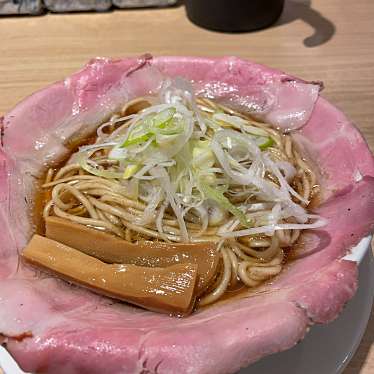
column 37, row 51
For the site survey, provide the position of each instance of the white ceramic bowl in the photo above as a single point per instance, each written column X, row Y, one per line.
column 327, row 349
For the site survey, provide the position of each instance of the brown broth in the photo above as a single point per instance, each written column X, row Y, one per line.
column 239, row 291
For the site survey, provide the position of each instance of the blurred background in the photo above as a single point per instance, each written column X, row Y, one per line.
column 325, row 40
column 332, row 41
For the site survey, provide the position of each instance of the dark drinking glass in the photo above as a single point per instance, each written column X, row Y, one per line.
column 234, row 15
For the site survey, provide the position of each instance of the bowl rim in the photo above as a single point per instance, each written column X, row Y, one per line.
column 357, row 254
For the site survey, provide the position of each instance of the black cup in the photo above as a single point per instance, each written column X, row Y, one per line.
column 234, row 15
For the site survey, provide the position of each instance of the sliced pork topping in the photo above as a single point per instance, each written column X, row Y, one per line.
column 94, row 335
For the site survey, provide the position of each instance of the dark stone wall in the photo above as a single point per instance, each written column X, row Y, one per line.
column 35, row 7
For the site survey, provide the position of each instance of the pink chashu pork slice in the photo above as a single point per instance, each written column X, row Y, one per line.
column 49, row 326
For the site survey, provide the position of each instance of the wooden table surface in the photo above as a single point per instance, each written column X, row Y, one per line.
column 324, row 40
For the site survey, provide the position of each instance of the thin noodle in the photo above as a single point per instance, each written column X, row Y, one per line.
column 262, row 273
column 88, row 221
column 222, row 286
column 66, row 169
column 47, row 209
column 234, row 266
column 112, row 219
column 110, row 205
column 49, row 175
column 79, row 210
column 82, row 200
column 244, row 275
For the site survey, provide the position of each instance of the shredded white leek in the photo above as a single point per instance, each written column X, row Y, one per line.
column 181, row 160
